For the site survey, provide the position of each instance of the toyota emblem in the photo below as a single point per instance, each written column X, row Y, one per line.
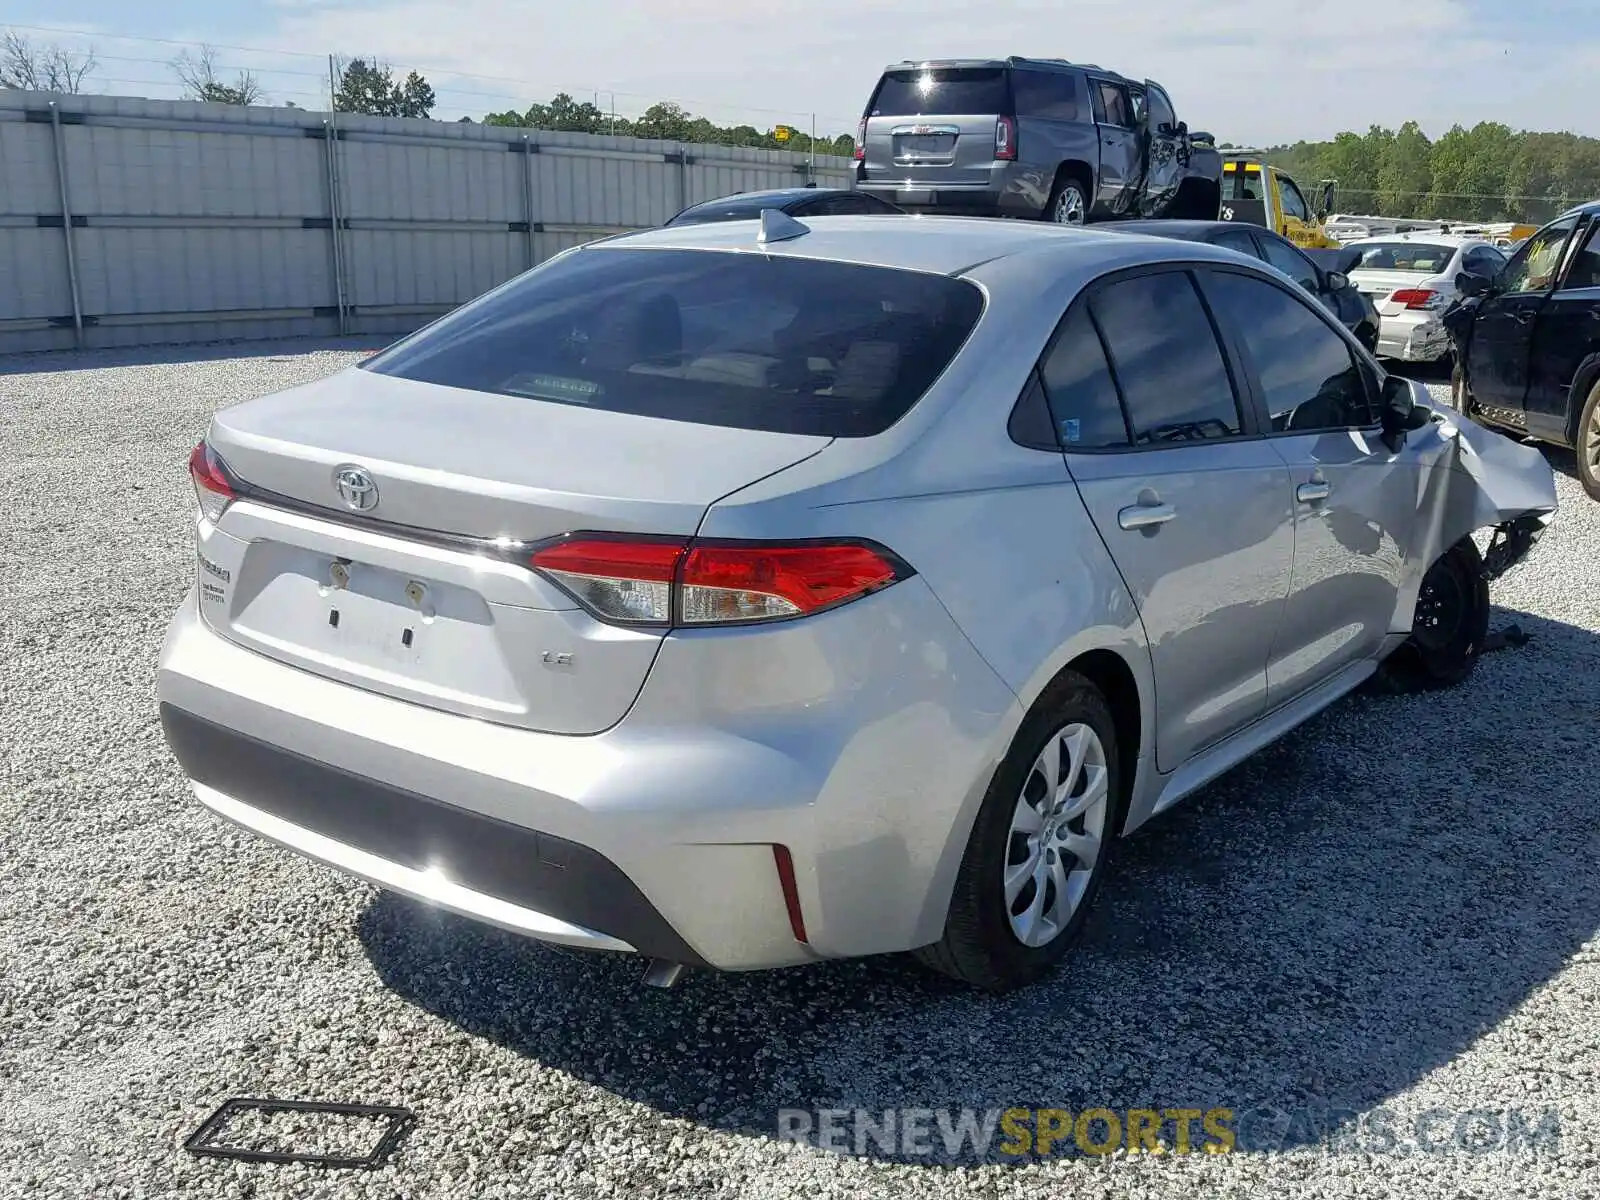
column 357, row 489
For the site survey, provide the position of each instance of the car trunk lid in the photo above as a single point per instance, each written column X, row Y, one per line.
column 425, row 595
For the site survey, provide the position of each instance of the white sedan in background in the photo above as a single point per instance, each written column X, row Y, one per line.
column 1410, row 278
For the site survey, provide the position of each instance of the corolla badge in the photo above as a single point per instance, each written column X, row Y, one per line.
column 357, row 488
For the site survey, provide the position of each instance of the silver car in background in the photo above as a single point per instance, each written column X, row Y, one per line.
column 752, row 593
column 1410, row 279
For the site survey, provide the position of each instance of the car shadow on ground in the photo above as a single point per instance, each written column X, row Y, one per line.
column 1325, row 925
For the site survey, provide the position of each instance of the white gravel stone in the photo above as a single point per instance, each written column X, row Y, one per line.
column 1394, row 909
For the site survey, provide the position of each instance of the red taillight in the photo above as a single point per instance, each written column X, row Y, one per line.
column 861, row 140
column 619, row 579
column 1414, row 297
column 1005, row 139
column 212, row 491
column 662, row 581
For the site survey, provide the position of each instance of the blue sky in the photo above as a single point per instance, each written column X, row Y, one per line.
column 1249, row 70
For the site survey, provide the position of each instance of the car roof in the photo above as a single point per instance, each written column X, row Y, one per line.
column 1422, row 235
column 788, row 193
column 937, row 244
column 1015, row 60
column 1189, row 230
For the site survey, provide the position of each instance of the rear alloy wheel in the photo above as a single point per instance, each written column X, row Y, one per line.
column 1039, row 846
column 1068, row 205
column 1588, row 444
column 1448, row 626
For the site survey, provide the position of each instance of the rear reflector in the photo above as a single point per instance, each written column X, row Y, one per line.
column 661, row 581
column 212, row 491
column 1415, row 297
column 791, row 891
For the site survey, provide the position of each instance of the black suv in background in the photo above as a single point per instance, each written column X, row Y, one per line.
column 1034, row 138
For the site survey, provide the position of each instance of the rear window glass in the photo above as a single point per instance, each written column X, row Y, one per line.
column 1405, row 256
column 964, row 91
column 785, row 345
column 742, row 209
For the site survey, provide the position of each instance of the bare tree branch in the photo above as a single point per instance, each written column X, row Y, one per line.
column 199, row 75
column 47, row 68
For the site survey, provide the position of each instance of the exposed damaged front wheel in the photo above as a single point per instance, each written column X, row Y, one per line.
column 1449, row 627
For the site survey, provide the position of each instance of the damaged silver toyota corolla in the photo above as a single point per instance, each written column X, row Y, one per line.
column 747, row 594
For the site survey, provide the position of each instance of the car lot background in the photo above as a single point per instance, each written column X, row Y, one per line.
column 1395, row 906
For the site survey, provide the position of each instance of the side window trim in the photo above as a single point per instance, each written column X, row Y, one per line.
column 1581, row 237
column 1258, row 404
column 1250, row 424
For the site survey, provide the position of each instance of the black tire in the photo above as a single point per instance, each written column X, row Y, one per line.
column 979, row 946
column 1450, row 625
column 1587, row 443
column 1067, row 182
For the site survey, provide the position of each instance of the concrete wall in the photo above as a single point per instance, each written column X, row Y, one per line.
column 193, row 222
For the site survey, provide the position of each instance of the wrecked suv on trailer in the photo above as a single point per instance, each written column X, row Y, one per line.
column 1035, row 138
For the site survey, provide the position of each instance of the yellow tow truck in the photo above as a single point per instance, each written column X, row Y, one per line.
column 1256, row 192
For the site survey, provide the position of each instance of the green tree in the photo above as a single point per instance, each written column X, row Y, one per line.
column 370, row 88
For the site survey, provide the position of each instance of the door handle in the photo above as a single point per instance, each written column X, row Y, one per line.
column 1145, row 516
column 1310, row 493
column 1522, row 315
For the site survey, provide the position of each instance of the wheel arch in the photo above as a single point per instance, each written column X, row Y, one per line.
column 1583, row 381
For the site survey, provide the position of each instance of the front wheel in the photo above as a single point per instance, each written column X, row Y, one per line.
column 1038, row 849
column 1448, row 626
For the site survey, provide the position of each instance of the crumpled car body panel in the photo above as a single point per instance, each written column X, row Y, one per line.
column 1470, row 479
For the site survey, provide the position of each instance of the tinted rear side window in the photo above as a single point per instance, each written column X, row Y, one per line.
column 780, row 344
column 1083, row 398
column 1047, row 95
column 963, row 91
column 1165, row 357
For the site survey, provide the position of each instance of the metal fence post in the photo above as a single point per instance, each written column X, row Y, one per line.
column 331, row 128
column 527, row 195
column 60, row 143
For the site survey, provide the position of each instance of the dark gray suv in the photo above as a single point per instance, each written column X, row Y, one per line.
column 1034, row 138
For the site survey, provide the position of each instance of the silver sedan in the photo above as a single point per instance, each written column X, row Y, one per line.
column 746, row 594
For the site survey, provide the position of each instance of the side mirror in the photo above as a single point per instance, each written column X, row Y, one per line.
column 1327, row 199
column 1337, row 281
column 1198, row 136
column 1401, row 412
column 1470, row 284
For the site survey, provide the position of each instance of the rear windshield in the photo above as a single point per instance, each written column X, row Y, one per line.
column 951, row 91
column 786, row 345
column 1404, row 256
column 741, row 208
column 1242, row 183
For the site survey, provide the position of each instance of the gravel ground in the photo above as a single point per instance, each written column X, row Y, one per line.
column 1393, row 911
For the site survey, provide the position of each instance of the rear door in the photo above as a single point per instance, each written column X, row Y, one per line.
column 1498, row 356
column 936, row 126
column 1121, row 150
column 1194, row 511
column 1566, row 335
column 1355, row 503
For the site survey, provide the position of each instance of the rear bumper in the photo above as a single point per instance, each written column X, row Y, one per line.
column 1413, row 337
column 458, row 859
column 864, row 755
column 981, row 200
